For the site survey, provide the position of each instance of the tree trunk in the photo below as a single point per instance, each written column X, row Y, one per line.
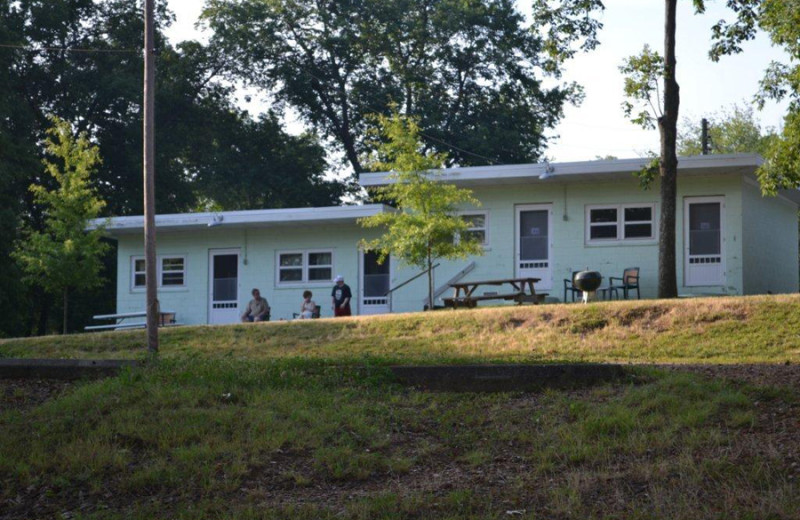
column 668, row 129
column 43, row 300
column 66, row 301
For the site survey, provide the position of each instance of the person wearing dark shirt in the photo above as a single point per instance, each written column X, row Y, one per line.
column 341, row 296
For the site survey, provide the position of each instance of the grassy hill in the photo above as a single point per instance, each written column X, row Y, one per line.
column 303, row 420
column 718, row 330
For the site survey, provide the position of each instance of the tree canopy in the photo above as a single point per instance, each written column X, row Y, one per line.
column 780, row 19
column 426, row 225
column 470, row 72
column 81, row 60
column 732, row 130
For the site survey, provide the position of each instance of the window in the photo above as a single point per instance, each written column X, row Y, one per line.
column 603, row 224
column 291, row 267
column 138, row 272
column 320, row 266
column 305, row 266
column 638, row 222
column 477, row 227
column 620, row 223
column 171, row 272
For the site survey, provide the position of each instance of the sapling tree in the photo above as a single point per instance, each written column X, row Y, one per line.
column 64, row 256
column 426, row 225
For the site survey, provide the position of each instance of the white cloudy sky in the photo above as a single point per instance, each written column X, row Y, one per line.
column 597, row 127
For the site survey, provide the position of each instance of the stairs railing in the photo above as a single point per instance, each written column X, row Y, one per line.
column 442, row 288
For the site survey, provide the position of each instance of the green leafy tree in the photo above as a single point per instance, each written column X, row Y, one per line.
column 203, row 139
column 64, row 256
column 780, row 19
column 734, row 130
column 425, row 226
column 470, row 71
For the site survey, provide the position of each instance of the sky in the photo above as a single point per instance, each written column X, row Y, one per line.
column 597, row 128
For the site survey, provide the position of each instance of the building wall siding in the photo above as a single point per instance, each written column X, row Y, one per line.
column 771, row 243
column 259, row 247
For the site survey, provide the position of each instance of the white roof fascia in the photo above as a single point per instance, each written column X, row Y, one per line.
column 248, row 218
column 581, row 170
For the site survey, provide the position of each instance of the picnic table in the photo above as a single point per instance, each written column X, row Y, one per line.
column 520, row 290
column 165, row 318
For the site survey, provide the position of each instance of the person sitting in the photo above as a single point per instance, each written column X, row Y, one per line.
column 308, row 306
column 257, row 309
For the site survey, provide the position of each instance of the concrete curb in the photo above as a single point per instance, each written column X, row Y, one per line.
column 506, row 378
column 62, row 368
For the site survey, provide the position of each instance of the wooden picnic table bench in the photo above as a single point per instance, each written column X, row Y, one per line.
column 165, row 319
column 521, row 291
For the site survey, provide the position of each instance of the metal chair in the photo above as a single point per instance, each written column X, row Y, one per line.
column 569, row 287
column 628, row 282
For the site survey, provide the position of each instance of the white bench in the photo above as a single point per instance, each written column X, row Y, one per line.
column 165, row 319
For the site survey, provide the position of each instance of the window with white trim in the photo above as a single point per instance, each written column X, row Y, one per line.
column 620, row 223
column 305, row 266
column 138, row 272
column 171, row 272
column 478, row 225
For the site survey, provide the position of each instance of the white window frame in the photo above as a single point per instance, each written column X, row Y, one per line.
column 134, row 272
column 485, row 228
column 304, row 281
column 620, row 224
column 159, row 273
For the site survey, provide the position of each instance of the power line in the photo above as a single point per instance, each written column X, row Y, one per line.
column 28, row 48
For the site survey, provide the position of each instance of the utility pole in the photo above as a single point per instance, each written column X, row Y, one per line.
column 149, row 178
column 704, row 135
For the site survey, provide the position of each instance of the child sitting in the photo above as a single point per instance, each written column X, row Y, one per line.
column 308, row 307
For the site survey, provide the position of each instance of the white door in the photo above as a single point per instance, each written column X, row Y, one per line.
column 223, row 284
column 534, row 251
column 374, row 286
column 704, row 261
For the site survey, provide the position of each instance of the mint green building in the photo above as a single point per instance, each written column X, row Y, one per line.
column 538, row 220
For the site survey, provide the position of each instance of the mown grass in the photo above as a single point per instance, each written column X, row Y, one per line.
column 289, row 439
column 716, row 330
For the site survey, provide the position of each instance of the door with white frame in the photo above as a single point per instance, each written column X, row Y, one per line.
column 704, row 258
column 375, row 284
column 534, row 231
column 223, row 286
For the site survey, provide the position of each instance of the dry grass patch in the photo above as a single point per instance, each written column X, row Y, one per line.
column 722, row 330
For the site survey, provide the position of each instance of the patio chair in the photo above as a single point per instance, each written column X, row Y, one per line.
column 628, row 282
column 569, row 287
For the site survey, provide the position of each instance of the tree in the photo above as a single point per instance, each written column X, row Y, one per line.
column 781, row 20
column 203, row 136
column 734, row 130
column 644, row 72
column 252, row 163
column 65, row 256
column 425, row 226
column 469, row 71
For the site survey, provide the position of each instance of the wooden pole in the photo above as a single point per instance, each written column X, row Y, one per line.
column 704, row 135
column 149, row 178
